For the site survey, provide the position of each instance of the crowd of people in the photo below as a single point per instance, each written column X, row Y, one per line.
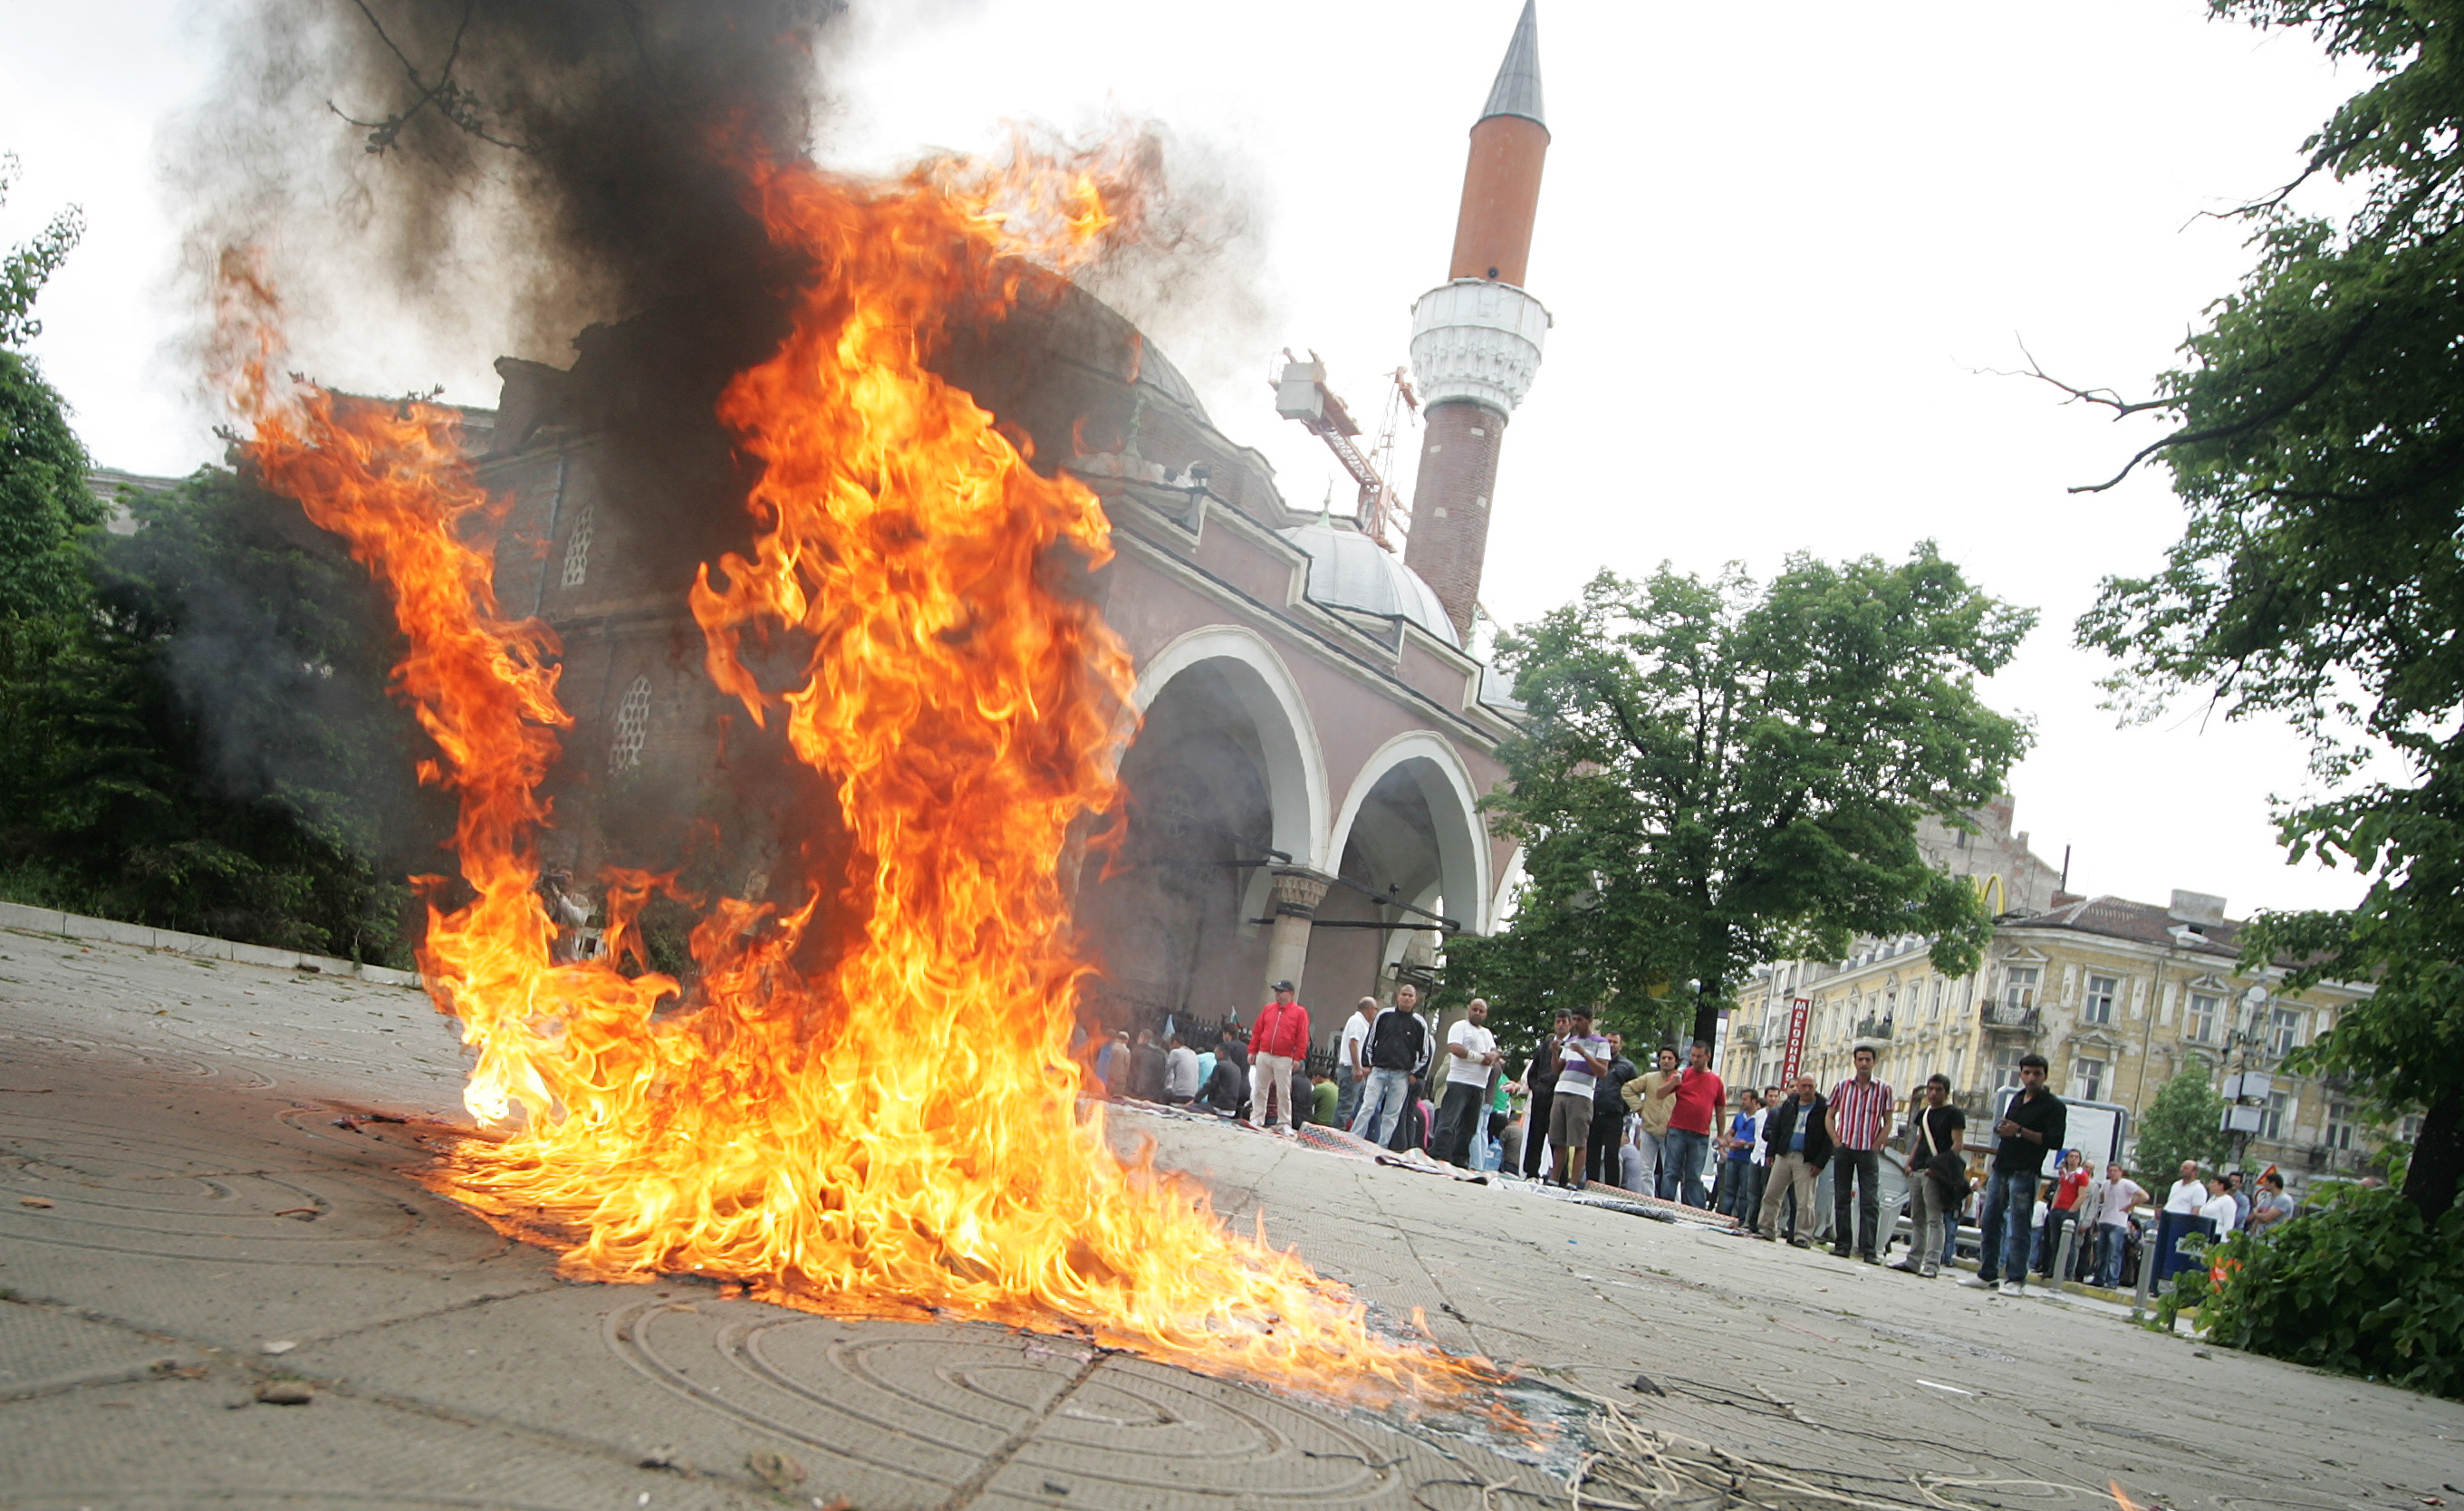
column 1577, row 1111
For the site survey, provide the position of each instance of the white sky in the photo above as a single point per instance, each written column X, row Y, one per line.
column 1778, row 251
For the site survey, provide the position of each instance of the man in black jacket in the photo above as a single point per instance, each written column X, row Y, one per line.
column 1796, row 1143
column 1400, row 1045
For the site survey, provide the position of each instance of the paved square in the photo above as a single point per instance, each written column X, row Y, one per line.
column 183, row 1229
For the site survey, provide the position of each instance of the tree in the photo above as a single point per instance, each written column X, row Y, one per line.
column 2313, row 437
column 205, row 744
column 44, row 500
column 2185, row 1121
column 1718, row 776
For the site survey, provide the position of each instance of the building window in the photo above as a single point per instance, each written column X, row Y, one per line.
column 2409, row 1129
column 2006, row 1066
column 577, row 550
column 2019, row 987
column 1934, row 1014
column 2284, row 1032
column 2087, row 1080
column 2101, row 992
column 632, row 726
column 2271, row 1123
column 2201, row 1027
column 1956, row 1057
column 2340, row 1125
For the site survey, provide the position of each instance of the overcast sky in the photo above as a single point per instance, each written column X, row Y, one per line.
column 1781, row 254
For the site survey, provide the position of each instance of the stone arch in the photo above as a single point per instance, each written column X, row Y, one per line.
column 1435, row 769
column 1295, row 760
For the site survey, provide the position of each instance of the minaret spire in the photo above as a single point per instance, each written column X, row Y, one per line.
column 1476, row 338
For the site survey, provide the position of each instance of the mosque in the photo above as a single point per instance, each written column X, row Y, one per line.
column 1316, row 735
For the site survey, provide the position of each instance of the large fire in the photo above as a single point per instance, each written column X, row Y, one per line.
column 899, row 1129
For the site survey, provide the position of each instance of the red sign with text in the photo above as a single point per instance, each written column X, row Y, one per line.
column 1798, row 1013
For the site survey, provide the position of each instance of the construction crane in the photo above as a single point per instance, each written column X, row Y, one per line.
column 1301, row 394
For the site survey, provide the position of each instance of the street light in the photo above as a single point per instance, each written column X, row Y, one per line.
column 2247, row 1107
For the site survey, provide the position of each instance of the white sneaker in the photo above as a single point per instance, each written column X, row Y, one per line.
column 2013, row 1289
column 1977, row 1281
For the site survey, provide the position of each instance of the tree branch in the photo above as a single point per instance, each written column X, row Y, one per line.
column 458, row 106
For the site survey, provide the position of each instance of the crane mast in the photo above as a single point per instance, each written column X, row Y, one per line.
column 1301, row 394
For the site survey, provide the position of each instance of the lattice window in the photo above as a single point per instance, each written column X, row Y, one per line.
column 632, row 726
column 2019, row 988
column 577, row 551
column 2101, row 992
column 2087, row 1080
column 2284, row 1033
column 2202, row 1025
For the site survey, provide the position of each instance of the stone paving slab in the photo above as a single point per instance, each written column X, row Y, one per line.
column 175, row 1197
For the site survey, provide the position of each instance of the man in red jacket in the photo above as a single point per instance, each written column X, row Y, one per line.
column 1281, row 1037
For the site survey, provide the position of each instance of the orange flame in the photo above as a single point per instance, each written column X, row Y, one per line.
column 898, row 1130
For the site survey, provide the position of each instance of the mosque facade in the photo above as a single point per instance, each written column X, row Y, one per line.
column 1315, row 737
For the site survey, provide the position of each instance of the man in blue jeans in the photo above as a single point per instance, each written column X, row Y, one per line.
column 2031, row 1125
column 2113, row 1224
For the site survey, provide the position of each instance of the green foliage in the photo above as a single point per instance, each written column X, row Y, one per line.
column 1719, row 774
column 202, row 745
column 44, row 501
column 2364, row 1284
column 26, row 269
column 2320, row 575
column 2184, row 1122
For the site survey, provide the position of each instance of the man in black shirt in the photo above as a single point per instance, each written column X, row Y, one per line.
column 2032, row 1125
column 1936, row 1135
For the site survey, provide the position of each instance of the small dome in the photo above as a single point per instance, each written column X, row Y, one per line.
column 1349, row 570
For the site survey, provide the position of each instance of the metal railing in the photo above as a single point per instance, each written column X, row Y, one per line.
column 2002, row 1014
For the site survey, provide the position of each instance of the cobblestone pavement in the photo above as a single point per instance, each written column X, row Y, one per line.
column 187, row 1236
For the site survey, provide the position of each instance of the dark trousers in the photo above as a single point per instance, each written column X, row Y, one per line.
column 1601, row 1155
column 1536, row 1135
column 1865, row 1166
column 1456, row 1118
column 1733, row 1198
column 2055, row 1221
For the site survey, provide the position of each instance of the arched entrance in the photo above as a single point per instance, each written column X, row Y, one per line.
column 1411, row 859
column 1225, row 784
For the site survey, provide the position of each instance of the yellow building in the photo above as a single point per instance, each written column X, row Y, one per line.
column 2117, row 997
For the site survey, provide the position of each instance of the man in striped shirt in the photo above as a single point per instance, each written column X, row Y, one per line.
column 1860, row 1120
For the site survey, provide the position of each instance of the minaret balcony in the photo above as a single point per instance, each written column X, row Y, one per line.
column 1477, row 339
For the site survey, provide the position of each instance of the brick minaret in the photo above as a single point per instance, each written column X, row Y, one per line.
column 1476, row 338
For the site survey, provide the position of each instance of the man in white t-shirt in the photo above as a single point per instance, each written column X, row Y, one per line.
column 2181, row 1203
column 1351, row 1061
column 2221, row 1208
column 2113, row 1224
column 2189, row 1193
column 1471, row 1059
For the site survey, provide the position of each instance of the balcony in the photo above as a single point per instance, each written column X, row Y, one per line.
column 1874, row 1028
column 2009, row 1019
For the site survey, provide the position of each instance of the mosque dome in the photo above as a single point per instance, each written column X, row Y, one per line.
column 1349, row 570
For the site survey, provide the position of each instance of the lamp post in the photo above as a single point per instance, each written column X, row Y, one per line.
column 2245, row 1110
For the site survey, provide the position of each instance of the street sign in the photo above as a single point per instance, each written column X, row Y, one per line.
column 1798, row 1011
